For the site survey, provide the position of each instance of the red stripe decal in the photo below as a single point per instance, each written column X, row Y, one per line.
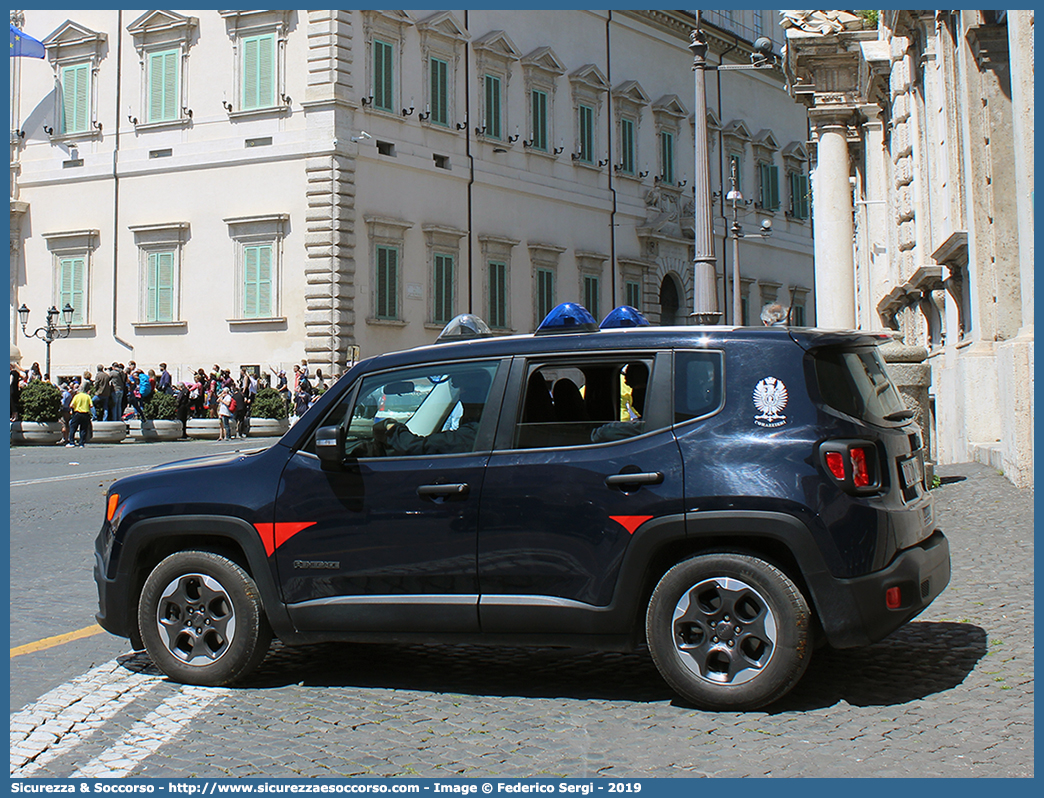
column 275, row 535
column 630, row 522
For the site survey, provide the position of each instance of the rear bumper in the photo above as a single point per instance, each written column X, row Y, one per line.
column 858, row 614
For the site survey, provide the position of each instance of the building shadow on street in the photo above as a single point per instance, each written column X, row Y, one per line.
column 921, row 659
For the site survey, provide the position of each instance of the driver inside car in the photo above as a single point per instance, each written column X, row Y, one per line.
column 472, row 388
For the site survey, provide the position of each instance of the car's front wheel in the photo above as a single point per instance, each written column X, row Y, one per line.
column 201, row 619
column 728, row 631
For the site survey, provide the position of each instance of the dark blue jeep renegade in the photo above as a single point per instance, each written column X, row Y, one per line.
column 728, row 497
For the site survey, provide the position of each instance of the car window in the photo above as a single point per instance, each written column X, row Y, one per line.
column 434, row 409
column 577, row 402
column 698, row 381
column 856, row 382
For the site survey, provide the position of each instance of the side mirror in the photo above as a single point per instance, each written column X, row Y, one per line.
column 329, row 445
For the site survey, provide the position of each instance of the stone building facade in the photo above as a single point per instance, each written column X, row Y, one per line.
column 256, row 187
column 922, row 129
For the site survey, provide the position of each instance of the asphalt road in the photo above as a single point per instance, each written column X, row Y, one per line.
column 950, row 695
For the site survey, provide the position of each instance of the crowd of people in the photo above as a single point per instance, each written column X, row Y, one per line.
column 121, row 392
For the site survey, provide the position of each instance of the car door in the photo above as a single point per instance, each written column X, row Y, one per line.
column 573, row 482
column 385, row 539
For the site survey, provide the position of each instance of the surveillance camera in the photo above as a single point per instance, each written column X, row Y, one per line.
column 364, row 135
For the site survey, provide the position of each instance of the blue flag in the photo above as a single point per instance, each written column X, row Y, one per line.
column 25, row 45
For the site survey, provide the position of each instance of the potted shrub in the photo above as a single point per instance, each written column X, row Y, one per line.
column 39, row 407
column 160, row 422
column 268, row 414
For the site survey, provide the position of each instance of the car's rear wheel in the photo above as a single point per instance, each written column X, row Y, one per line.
column 201, row 619
column 728, row 631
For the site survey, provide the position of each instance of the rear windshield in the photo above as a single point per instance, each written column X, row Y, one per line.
column 855, row 382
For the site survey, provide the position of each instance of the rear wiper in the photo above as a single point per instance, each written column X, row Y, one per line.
column 899, row 415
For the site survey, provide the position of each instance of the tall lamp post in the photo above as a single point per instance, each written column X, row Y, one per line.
column 736, row 233
column 51, row 332
column 704, row 289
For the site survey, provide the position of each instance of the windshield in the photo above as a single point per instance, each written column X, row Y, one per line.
column 856, row 382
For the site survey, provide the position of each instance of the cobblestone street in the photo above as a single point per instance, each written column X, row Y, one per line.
column 950, row 695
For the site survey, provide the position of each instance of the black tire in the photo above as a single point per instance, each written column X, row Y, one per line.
column 201, row 619
column 728, row 631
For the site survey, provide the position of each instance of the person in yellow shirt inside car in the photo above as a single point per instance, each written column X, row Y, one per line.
column 81, row 418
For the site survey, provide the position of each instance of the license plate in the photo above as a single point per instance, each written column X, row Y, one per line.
column 912, row 472
column 927, row 512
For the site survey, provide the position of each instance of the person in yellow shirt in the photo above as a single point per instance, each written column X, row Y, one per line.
column 81, row 418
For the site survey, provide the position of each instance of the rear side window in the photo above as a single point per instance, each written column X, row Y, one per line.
column 698, row 380
column 855, row 382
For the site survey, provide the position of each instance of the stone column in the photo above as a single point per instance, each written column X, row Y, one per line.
column 832, row 217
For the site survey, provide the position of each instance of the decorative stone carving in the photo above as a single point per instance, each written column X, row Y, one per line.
column 821, row 22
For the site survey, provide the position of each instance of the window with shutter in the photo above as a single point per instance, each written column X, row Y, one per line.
column 497, row 295
column 382, row 76
column 160, row 287
column 442, row 310
column 634, row 294
column 545, row 292
column 799, row 195
column 627, row 146
column 586, row 123
column 257, row 281
column 75, row 98
column 387, row 301
column 591, row 294
column 539, row 112
column 163, row 86
column 439, row 92
column 768, row 178
column 492, row 121
column 259, row 77
column 72, row 281
column 667, row 157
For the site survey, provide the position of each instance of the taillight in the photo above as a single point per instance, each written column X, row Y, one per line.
column 836, row 463
column 860, row 472
column 853, row 464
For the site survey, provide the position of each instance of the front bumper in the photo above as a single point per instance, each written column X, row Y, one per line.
column 857, row 614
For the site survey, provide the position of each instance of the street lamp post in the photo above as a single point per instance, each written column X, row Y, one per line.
column 704, row 289
column 51, row 332
column 736, row 231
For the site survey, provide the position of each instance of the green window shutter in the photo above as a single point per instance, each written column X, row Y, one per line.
column 591, row 294
column 497, row 295
column 773, row 188
column 545, row 292
column 634, row 295
column 768, row 180
column 539, row 121
column 492, row 121
column 387, row 283
column 799, row 195
column 667, row 157
column 439, row 92
column 75, row 98
column 586, row 134
column 160, row 287
column 259, row 78
column 382, row 75
column 72, row 281
column 258, row 281
column 163, row 86
column 443, row 294
column 627, row 146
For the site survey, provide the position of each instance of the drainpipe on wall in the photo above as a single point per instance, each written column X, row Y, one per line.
column 609, row 144
column 471, row 159
column 116, row 181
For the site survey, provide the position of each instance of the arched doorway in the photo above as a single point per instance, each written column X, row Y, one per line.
column 669, row 303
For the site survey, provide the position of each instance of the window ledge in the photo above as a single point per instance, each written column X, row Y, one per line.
column 81, row 328
column 164, row 125
column 159, row 325
column 387, row 322
column 542, row 153
column 258, row 321
column 86, row 135
column 253, row 113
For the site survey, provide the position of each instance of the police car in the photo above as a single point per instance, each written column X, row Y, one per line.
column 729, row 498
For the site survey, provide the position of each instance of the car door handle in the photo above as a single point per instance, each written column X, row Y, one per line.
column 457, row 490
column 622, row 480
